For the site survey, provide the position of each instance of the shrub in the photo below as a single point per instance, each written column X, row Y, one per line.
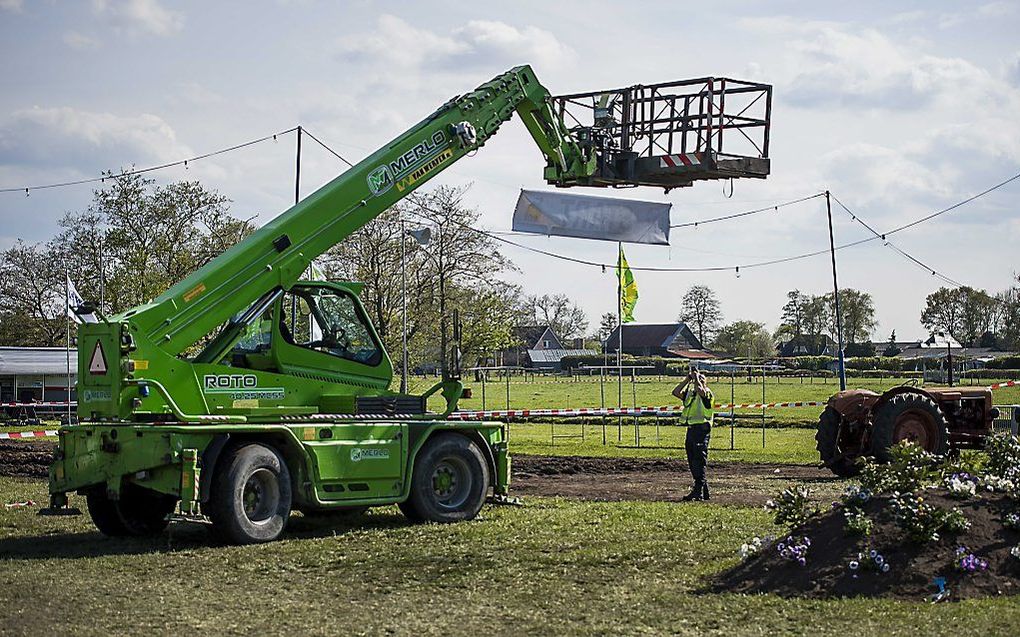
column 1003, row 458
column 910, row 468
column 1004, row 362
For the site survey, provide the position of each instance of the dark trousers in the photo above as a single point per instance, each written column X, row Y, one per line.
column 697, row 454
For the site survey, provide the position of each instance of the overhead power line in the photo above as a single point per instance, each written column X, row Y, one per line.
column 138, row 171
column 737, row 215
column 758, row 264
column 891, row 245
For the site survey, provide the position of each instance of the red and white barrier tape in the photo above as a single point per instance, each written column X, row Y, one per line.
column 46, row 404
column 15, row 435
column 1008, row 383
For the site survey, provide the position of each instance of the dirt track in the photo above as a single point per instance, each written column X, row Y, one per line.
column 579, row 478
column 616, row 479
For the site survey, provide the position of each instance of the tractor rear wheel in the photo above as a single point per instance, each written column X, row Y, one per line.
column 910, row 416
column 450, row 480
column 827, row 443
column 250, row 499
column 139, row 512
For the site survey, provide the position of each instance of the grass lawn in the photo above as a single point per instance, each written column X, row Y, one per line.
column 550, row 567
column 551, row 392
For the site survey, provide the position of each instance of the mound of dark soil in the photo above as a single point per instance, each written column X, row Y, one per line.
column 24, row 458
column 913, row 567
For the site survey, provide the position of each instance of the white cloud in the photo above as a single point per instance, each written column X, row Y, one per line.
column 477, row 42
column 80, row 41
column 140, row 16
column 65, row 137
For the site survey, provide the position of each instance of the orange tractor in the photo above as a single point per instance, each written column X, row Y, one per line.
column 858, row 423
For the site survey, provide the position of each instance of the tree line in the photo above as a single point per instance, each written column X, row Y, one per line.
column 136, row 238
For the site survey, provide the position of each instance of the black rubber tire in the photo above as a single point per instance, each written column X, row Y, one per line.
column 827, row 443
column 450, row 480
column 919, row 409
column 250, row 499
column 138, row 513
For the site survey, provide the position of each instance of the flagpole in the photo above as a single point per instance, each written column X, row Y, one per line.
column 619, row 323
column 67, row 341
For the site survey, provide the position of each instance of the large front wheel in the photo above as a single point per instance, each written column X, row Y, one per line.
column 251, row 495
column 450, row 480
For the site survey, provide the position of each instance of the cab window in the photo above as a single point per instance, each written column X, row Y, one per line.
column 328, row 321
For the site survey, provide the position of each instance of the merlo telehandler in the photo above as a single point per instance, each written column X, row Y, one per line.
column 287, row 403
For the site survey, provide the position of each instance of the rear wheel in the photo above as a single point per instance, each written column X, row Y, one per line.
column 913, row 417
column 450, row 480
column 138, row 512
column 250, row 498
column 827, row 442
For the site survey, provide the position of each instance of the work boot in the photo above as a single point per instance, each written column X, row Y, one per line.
column 695, row 493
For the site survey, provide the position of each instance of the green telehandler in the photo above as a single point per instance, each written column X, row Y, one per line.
column 286, row 404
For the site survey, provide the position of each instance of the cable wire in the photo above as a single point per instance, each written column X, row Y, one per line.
column 138, row 171
column 774, row 207
column 321, row 143
column 890, row 244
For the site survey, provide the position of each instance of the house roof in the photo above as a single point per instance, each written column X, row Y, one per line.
column 644, row 335
column 36, row 360
column 529, row 335
column 556, row 355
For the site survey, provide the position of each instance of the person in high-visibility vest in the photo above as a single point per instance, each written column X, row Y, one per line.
column 697, row 416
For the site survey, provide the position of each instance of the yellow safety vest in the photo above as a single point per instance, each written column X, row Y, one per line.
column 696, row 413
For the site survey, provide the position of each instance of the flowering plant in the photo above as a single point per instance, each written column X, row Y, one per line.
column 993, row 483
column 1003, row 458
column 857, row 522
column 1015, row 551
column 909, row 468
column 968, row 562
column 794, row 549
column 791, row 506
column 961, row 485
column 754, row 546
column 870, row 561
column 855, row 495
column 1012, row 521
column 922, row 521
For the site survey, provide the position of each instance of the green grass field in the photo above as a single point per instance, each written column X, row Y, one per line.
column 549, row 567
column 551, row 392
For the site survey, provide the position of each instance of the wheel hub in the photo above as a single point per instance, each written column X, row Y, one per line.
column 915, row 427
column 451, row 482
column 261, row 495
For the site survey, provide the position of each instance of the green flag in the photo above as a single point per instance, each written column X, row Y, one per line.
column 627, row 287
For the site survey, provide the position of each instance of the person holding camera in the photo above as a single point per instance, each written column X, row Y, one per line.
column 697, row 415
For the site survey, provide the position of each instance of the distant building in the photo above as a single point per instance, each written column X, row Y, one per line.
column 539, row 347
column 528, row 337
column 804, row 345
column 671, row 340
column 37, row 374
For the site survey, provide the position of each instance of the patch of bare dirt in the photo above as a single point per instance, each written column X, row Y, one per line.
column 655, row 479
column 26, row 458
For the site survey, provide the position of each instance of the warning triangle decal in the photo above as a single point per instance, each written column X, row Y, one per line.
column 97, row 365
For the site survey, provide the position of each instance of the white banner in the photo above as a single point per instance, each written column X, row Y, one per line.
column 587, row 217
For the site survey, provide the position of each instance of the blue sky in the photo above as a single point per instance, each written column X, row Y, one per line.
column 898, row 110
